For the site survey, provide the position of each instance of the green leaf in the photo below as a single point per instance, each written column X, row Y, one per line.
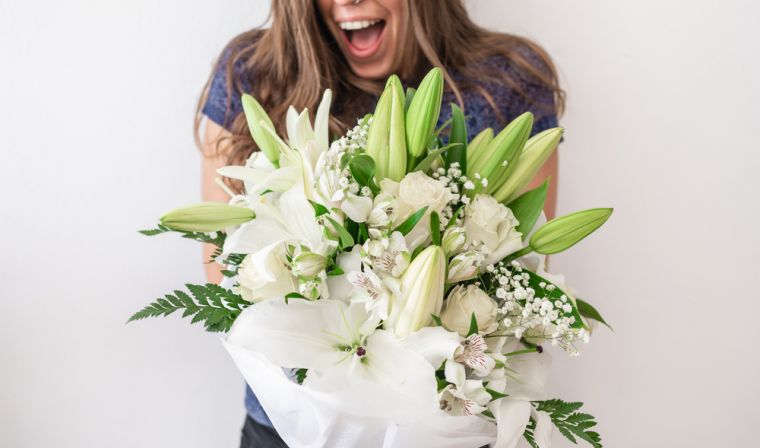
column 344, row 159
column 336, row 271
column 527, row 208
column 363, row 169
column 366, row 118
column 319, row 209
column 437, row 320
column 418, row 251
column 488, row 414
column 301, row 375
column 294, row 295
column 457, row 154
column 435, row 228
column 442, row 384
column 586, row 310
column 228, row 273
column 215, row 306
column 473, row 326
column 346, row 240
column 154, row 231
column 496, row 395
column 427, row 162
column 453, row 219
column 411, row 221
column 363, row 234
column 563, row 233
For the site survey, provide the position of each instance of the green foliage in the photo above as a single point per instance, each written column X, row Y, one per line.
column 427, row 162
column 569, row 422
column 217, row 239
column 319, row 209
column 346, row 240
column 363, row 169
column 586, row 310
column 457, row 154
column 435, row 228
column 407, row 226
column 301, row 375
column 473, row 326
column 527, row 208
column 495, row 395
column 211, row 304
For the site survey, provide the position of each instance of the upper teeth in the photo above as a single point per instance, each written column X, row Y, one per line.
column 357, row 25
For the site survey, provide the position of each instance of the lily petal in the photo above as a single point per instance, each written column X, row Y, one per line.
column 322, row 120
column 433, row 343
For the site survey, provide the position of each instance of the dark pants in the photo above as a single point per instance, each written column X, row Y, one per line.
column 256, row 435
column 260, row 436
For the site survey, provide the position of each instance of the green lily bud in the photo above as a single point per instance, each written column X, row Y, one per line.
column 386, row 142
column 453, row 239
column 562, row 233
column 254, row 115
column 422, row 115
column 505, row 147
column 422, row 287
column 206, row 217
column 308, row 265
column 536, row 153
column 476, row 147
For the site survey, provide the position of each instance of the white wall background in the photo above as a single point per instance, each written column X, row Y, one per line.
column 96, row 107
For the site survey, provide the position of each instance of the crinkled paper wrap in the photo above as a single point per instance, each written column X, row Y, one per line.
column 337, row 410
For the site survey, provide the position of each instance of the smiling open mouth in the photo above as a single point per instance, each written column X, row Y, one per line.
column 363, row 37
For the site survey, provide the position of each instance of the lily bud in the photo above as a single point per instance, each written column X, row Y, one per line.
column 254, row 115
column 505, row 147
column 453, row 239
column 327, row 229
column 422, row 286
column 308, row 265
column 536, row 153
column 386, row 142
column 206, row 217
column 562, row 233
column 422, row 115
column 464, row 266
column 476, row 147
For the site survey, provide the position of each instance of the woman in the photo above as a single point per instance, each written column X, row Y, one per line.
column 351, row 47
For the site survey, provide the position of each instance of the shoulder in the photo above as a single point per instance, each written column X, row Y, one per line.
column 229, row 81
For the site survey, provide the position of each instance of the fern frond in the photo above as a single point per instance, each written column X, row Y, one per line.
column 211, row 304
column 573, row 425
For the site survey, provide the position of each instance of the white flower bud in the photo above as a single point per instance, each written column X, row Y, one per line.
column 453, row 240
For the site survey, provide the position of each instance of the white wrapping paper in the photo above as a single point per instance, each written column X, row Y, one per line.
column 339, row 410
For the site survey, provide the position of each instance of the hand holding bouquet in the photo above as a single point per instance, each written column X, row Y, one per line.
column 387, row 290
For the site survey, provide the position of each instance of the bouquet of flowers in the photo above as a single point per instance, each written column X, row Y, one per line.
column 385, row 290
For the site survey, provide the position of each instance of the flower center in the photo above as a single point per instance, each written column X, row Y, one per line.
column 360, row 352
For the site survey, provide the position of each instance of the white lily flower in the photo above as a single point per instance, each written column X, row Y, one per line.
column 340, row 287
column 273, row 227
column 324, row 336
column 468, row 399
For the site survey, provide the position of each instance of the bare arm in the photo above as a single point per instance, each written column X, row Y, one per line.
column 550, row 168
column 210, row 191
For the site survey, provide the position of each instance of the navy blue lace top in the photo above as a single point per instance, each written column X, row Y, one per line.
column 509, row 103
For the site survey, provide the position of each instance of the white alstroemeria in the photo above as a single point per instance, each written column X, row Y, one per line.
column 357, row 207
column 384, row 210
column 313, row 288
column 370, row 290
column 470, row 398
column 396, row 258
column 326, row 335
column 471, row 353
column 294, row 223
column 464, row 266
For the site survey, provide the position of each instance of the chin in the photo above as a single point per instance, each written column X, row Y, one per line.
column 378, row 71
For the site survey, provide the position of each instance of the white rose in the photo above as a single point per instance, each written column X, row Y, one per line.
column 460, row 305
column 255, row 288
column 494, row 224
column 416, row 191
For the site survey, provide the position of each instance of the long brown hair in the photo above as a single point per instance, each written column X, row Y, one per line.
column 297, row 58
